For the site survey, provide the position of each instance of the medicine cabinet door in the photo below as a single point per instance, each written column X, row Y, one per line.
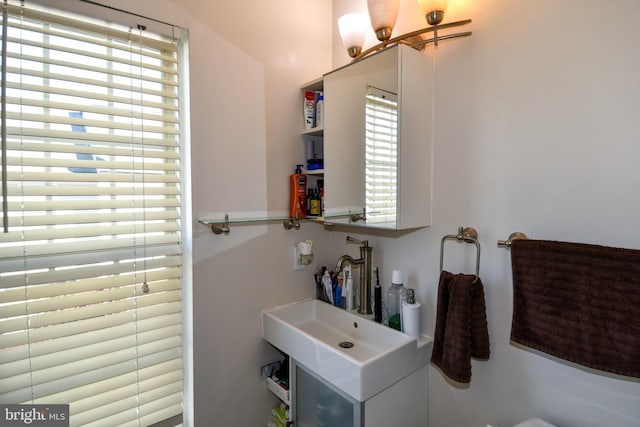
column 345, row 130
column 378, row 140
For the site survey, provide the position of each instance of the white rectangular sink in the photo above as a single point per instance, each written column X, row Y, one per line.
column 357, row 355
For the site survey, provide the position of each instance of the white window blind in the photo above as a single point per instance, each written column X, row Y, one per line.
column 91, row 265
column 381, row 155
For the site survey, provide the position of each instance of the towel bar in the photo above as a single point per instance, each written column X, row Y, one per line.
column 513, row 236
column 468, row 235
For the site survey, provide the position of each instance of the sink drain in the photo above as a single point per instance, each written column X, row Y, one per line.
column 346, row 344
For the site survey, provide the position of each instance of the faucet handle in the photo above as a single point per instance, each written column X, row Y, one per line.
column 360, row 242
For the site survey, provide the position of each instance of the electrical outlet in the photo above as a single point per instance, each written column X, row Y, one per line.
column 296, row 261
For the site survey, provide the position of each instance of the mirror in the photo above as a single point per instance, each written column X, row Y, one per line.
column 378, row 140
column 381, row 156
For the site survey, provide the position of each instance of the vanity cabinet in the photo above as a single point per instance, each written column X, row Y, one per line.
column 315, row 402
column 348, row 370
column 378, row 139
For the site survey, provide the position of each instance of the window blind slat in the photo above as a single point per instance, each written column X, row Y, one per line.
column 87, row 279
column 88, row 108
column 104, row 392
column 91, row 177
column 118, row 256
column 42, row 119
column 89, row 324
column 86, row 25
column 170, row 323
column 108, row 72
column 90, row 190
column 136, row 165
column 55, row 80
column 46, row 306
column 95, row 96
column 100, row 373
column 93, row 364
column 127, row 401
column 124, row 57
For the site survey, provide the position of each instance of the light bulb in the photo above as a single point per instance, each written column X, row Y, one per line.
column 352, row 27
column 383, row 14
column 433, row 10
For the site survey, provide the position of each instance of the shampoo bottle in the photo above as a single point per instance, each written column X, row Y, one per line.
column 298, row 194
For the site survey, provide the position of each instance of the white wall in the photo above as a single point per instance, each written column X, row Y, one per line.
column 248, row 61
column 536, row 131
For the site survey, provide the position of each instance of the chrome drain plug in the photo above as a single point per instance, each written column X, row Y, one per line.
column 346, row 344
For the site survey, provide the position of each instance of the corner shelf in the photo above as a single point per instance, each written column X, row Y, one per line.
column 319, row 131
column 314, row 172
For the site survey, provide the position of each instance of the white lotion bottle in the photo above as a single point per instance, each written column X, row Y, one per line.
column 411, row 315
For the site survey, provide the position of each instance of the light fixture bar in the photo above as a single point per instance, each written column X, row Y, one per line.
column 448, row 36
column 403, row 38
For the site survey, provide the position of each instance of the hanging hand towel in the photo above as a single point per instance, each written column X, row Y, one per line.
column 578, row 302
column 461, row 326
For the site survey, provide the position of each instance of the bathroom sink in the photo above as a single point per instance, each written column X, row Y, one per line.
column 355, row 354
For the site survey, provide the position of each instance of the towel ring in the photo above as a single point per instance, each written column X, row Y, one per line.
column 467, row 235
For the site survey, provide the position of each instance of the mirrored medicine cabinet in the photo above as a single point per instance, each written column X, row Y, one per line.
column 378, row 140
column 375, row 141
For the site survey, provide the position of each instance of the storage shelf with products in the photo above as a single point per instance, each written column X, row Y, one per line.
column 313, row 137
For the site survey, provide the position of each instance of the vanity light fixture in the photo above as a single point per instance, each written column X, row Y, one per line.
column 383, row 14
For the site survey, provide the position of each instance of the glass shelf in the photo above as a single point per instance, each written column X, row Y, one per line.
column 318, row 131
column 219, row 226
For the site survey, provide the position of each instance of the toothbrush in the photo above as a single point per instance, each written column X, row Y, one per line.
column 377, row 300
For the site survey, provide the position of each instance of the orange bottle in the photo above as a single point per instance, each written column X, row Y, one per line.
column 298, row 194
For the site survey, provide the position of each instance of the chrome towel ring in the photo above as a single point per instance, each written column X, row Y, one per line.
column 467, row 235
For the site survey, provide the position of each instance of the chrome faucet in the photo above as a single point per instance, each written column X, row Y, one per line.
column 364, row 263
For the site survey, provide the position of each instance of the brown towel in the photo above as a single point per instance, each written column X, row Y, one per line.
column 461, row 326
column 578, row 302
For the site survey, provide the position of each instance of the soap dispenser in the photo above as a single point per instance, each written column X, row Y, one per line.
column 396, row 295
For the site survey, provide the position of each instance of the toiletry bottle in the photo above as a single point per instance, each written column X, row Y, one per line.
column 349, row 285
column 377, row 300
column 411, row 315
column 309, row 198
column 298, row 194
column 309, row 109
column 397, row 293
column 314, row 203
column 319, row 107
